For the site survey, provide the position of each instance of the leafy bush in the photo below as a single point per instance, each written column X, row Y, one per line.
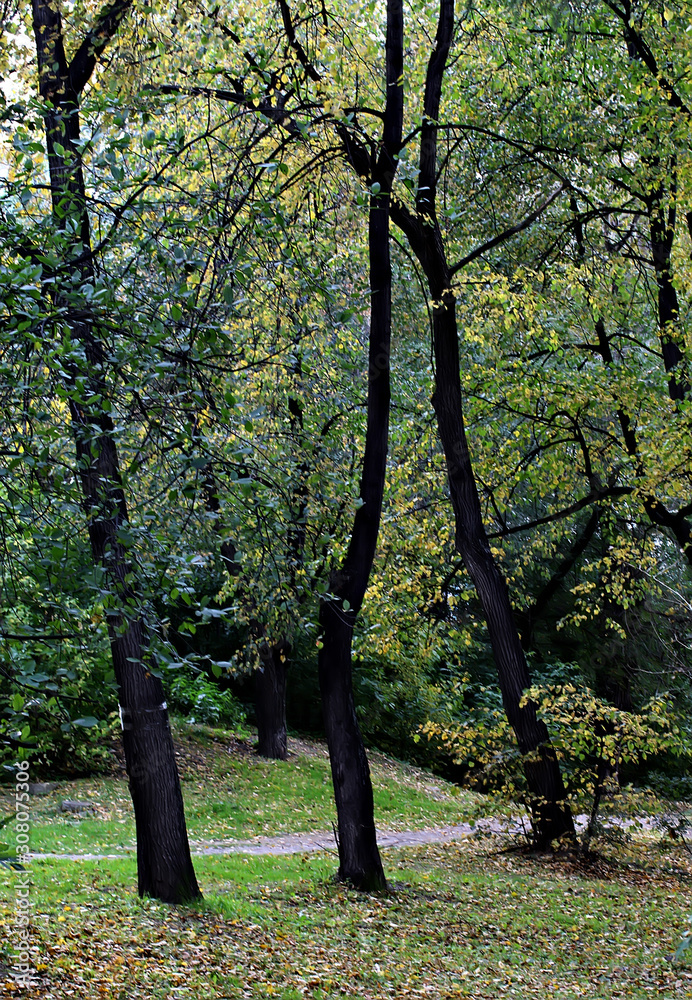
column 592, row 740
column 483, row 746
column 52, row 698
column 392, row 704
column 202, row 701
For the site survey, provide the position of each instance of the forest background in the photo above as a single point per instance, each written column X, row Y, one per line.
column 212, row 426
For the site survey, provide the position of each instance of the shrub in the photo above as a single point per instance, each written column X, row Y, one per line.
column 52, row 698
column 592, row 740
column 199, row 700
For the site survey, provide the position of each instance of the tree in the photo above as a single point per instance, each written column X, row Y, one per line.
column 423, row 232
column 163, row 856
column 358, row 854
column 550, row 815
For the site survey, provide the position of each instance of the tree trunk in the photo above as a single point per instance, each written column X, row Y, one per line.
column 550, row 815
column 676, row 522
column 662, row 230
column 270, row 678
column 164, row 864
column 359, row 857
column 270, row 700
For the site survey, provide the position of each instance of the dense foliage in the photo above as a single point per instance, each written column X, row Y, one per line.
column 229, row 289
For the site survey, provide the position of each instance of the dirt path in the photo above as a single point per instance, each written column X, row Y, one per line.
column 304, row 843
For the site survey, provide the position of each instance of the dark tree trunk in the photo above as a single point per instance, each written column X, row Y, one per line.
column 550, row 815
column 270, row 700
column 676, row 522
column 164, row 864
column 359, row 858
column 270, row 678
column 662, row 229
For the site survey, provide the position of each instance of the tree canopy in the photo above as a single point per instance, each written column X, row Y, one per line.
column 349, row 336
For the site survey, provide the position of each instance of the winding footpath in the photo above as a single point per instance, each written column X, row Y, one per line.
column 304, row 843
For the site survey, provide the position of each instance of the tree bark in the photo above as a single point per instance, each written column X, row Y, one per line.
column 164, row 863
column 662, row 232
column 676, row 522
column 550, row 815
column 359, row 858
column 270, row 700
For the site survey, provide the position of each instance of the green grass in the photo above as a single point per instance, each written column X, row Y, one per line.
column 237, row 795
column 459, row 923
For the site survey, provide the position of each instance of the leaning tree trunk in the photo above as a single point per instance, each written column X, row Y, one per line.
column 550, row 815
column 164, row 864
column 359, row 858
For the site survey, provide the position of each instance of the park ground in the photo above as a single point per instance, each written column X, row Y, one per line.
column 476, row 917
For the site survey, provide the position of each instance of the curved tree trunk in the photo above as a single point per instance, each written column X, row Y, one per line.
column 359, row 859
column 550, row 815
column 164, row 864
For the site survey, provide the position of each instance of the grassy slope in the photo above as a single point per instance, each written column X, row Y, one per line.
column 229, row 792
column 461, row 921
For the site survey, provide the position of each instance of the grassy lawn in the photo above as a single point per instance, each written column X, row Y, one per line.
column 459, row 923
column 229, row 792
column 463, row 920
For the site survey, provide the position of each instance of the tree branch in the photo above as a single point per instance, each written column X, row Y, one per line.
column 425, row 196
column 275, row 114
column 594, row 497
column 295, row 44
column 84, row 60
column 637, row 45
column 508, row 233
column 532, row 614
